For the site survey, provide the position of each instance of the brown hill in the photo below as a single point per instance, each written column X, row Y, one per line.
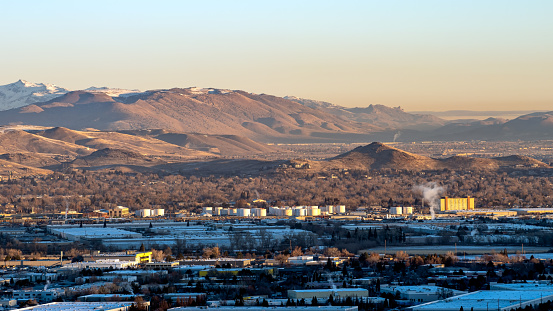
column 111, row 156
column 30, row 159
column 96, row 140
column 226, row 145
column 64, row 134
column 18, row 141
column 48, row 148
column 518, row 160
column 379, row 156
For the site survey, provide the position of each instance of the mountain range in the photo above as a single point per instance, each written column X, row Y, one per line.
column 23, row 93
column 379, row 115
column 259, row 117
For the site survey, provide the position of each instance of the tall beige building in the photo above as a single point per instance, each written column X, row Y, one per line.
column 456, row 204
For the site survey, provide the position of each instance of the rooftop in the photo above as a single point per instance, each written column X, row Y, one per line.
column 484, row 300
column 533, row 286
column 79, row 306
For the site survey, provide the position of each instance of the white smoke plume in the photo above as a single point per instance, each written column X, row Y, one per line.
column 396, row 136
column 431, row 193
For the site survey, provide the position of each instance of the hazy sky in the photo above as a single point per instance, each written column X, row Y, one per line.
column 421, row 55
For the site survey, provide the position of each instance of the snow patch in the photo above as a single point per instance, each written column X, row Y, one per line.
column 23, row 93
column 113, row 92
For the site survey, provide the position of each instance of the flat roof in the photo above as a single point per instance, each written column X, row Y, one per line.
column 79, row 306
column 329, row 290
column 485, row 300
column 234, row 308
column 544, row 287
column 96, row 232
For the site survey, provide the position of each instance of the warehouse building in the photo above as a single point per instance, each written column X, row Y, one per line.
column 83, row 306
column 421, row 293
column 488, row 300
column 326, row 293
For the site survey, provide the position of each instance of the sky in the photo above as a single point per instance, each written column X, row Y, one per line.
column 420, row 55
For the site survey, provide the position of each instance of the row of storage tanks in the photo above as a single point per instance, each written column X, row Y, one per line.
column 401, row 210
column 242, row 212
column 146, row 212
column 297, row 211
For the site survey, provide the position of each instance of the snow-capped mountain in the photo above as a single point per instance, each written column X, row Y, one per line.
column 113, row 92
column 23, row 93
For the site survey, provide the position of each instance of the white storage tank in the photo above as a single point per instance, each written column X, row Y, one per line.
column 329, row 209
column 396, row 210
column 217, row 211
column 313, row 211
column 244, row 212
column 158, row 212
column 341, row 209
column 259, row 212
column 145, row 212
column 408, row 210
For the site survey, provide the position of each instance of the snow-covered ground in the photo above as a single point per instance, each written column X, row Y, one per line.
column 23, row 93
column 113, row 92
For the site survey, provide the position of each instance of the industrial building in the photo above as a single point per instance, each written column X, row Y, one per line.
column 83, row 306
column 79, row 233
column 142, row 257
column 255, row 308
column 456, row 204
column 543, row 286
column 532, row 211
column 399, row 210
column 119, row 212
column 101, row 264
column 420, row 293
column 38, row 295
column 500, row 300
column 326, row 293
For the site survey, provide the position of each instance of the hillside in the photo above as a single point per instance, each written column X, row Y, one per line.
column 145, row 150
column 259, row 117
column 18, row 141
column 111, row 156
column 15, row 170
column 217, row 144
column 379, row 156
column 377, row 115
column 23, row 93
column 534, row 126
column 208, row 111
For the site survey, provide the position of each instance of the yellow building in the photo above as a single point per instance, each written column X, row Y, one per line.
column 119, row 212
column 456, row 204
